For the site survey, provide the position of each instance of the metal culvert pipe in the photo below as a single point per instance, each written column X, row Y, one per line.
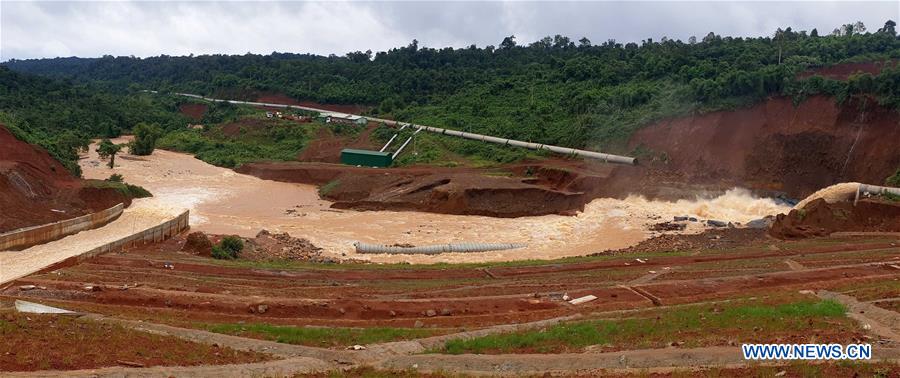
column 436, row 249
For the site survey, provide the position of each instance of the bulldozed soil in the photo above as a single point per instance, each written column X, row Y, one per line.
column 821, row 218
column 158, row 283
column 773, row 148
column 36, row 189
column 535, row 188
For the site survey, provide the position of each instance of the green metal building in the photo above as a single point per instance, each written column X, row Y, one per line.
column 366, row 158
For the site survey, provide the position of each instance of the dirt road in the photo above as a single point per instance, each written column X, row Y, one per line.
column 141, row 215
column 222, row 201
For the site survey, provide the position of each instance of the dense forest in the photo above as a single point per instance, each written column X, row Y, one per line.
column 62, row 116
column 555, row 90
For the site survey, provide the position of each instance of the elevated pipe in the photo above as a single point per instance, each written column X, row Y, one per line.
column 391, row 140
column 875, row 189
column 608, row 158
column 399, row 150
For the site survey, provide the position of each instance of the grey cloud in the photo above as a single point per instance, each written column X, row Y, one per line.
column 49, row 29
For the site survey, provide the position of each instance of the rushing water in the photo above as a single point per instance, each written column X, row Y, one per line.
column 222, row 201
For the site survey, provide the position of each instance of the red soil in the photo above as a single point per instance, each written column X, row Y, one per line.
column 33, row 185
column 327, row 146
column 282, row 99
column 194, row 111
column 538, row 188
column 820, row 218
column 54, row 342
column 843, row 71
column 771, row 147
column 157, row 282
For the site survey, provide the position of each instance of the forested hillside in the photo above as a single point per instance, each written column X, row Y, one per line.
column 62, row 117
column 555, row 90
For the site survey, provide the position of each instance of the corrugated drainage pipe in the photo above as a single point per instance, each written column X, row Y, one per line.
column 436, row 249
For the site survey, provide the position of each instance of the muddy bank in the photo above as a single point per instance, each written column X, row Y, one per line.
column 772, row 147
column 821, row 218
column 538, row 188
column 36, row 189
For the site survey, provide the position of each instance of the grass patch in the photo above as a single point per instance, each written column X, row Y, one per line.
column 328, row 187
column 320, row 336
column 129, row 190
column 262, row 140
column 693, row 326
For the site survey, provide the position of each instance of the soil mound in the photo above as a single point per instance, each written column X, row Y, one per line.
column 199, row 244
column 36, row 189
column 281, row 246
column 718, row 239
column 774, row 148
column 821, row 218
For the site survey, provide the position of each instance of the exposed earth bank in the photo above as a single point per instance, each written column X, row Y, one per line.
column 536, row 188
column 821, row 218
column 36, row 189
column 772, row 147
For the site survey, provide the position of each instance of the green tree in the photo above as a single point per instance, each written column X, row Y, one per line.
column 108, row 149
column 145, row 137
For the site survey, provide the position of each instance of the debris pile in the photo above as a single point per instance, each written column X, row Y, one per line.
column 820, row 218
column 281, row 246
column 712, row 239
column 198, row 243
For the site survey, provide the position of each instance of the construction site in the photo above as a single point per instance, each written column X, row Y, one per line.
column 552, row 209
column 511, row 263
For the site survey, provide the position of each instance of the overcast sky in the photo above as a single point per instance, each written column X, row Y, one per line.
column 91, row 29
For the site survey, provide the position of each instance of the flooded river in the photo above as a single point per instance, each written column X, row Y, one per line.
column 224, row 202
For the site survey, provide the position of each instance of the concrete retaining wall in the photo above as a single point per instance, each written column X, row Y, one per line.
column 29, row 236
column 154, row 234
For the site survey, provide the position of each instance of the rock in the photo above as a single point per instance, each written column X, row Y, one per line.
column 781, row 373
column 716, row 223
column 760, row 223
column 27, row 287
column 393, row 313
column 356, row 347
column 262, row 308
column 445, row 312
column 198, row 244
column 430, row 313
column 681, row 219
column 418, row 324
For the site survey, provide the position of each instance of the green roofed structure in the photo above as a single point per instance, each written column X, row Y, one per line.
column 366, row 158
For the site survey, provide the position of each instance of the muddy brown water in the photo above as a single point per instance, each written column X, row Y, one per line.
column 225, row 202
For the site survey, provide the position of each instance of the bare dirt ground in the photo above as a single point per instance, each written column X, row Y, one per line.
column 36, row 189
column 225, row 202
column 157, row 284
column 48, row 342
